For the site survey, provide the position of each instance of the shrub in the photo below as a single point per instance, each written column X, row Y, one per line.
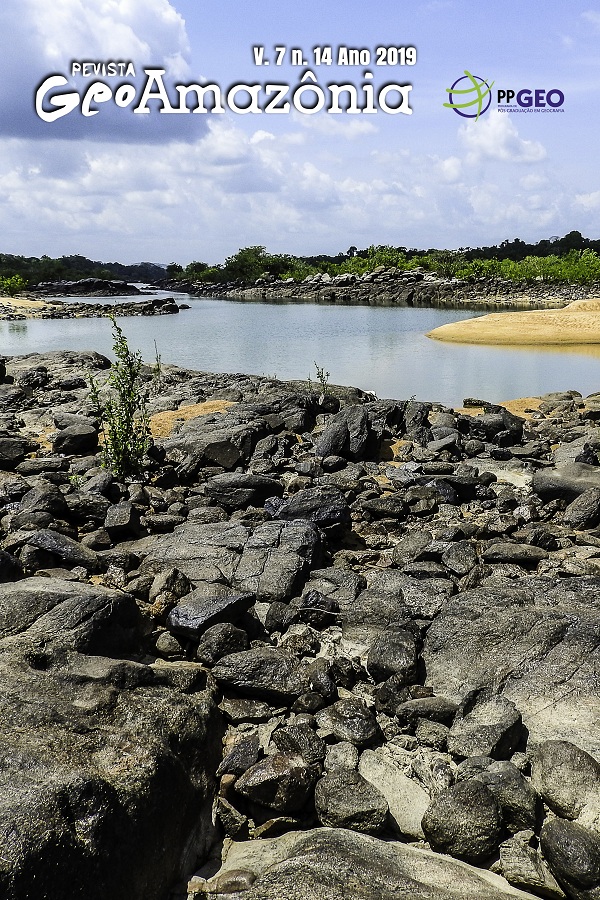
column 123, row 417
column 12, row 284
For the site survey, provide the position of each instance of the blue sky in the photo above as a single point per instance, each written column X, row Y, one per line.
column 118, row 186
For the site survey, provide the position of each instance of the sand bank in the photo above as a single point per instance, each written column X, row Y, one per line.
column 22, row 305
column 577, row 323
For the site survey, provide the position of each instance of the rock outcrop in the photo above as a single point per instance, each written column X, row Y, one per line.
column 322, row 640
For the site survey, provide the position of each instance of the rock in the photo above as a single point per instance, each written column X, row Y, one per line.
column 348, row 720
column 584, row 511
column 394, row 652
column 81, row 616
column 325, row 506
column 265, row 673
column 343, row 755
column 10, row 568
column 76, row 440
column 568, row 781
column 122, row 521
column 507, row 551
column 94, row 750
column 432, row 734
column 438, row 709
column 300, row 863
column 40, row 506
column 68, row 551
column 302, row 741
column 464, row 821
column 281, row 781
column 423, row 597
column 518, row 801
column 460, row 558
column 407, row 801
column 490, row 727
column 219, row 641
column 234, row 490
column 344, row 799
column 13, row 450
column 240, row 757
column 523, row 865
column 348, row 434
column 573, row 855
column 566, row 482
column 531, row 637
column 271, row 561
column 64, row 419
column 317, row 610
column 196, row 612
column 489, row 426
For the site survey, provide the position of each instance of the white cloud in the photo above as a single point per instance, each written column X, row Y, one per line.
column 145, row 32
column 337, row 126
column 592, row 17
column 148, row 31
column 589, row 201
column 204, row 199
column 451, row 168
column 495, row 137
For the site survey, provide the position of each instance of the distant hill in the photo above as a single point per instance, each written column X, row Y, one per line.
column 72, row 268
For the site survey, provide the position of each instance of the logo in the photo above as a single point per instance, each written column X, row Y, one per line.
column 472, row 98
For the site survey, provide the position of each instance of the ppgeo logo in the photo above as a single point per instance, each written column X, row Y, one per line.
column 471, row 96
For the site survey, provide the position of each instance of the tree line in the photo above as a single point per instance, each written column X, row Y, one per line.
column 570, row 258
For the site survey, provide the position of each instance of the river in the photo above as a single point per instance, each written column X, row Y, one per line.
column 381, row 349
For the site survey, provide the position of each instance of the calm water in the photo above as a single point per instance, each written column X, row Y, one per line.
column 380, row 349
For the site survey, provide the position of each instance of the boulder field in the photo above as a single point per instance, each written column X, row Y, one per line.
column 324, row 644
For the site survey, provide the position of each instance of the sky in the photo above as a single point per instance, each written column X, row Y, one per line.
column 127, row 187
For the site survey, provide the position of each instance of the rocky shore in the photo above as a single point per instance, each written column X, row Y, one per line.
column 12, row 310
column 394, row 287
column 327, row 644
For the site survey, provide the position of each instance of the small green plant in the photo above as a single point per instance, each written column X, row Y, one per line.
column 322, row 378
column 76, row 481
column 12, row 284
column 157, row 372
column 123, row 417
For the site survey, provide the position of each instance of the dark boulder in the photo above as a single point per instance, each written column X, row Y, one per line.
column 344, row 799
column 76, row 440
column 265, row 673
column 573, row 855
column 196, row 612
column 464, row 821
column 235, row 490
column 325, row 506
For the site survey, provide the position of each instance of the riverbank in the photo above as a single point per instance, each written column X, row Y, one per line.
column 394, row 287
column 320, row 637
column 577, row 323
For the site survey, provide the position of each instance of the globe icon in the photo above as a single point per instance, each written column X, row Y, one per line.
column 475, row 95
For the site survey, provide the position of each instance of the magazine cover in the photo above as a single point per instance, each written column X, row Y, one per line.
column 299, row 450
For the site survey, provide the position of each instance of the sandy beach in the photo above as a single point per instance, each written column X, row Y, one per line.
column 22, row 305
column 577, row 323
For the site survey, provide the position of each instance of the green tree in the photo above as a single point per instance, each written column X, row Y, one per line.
column 12, row 285
column 247, row 264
